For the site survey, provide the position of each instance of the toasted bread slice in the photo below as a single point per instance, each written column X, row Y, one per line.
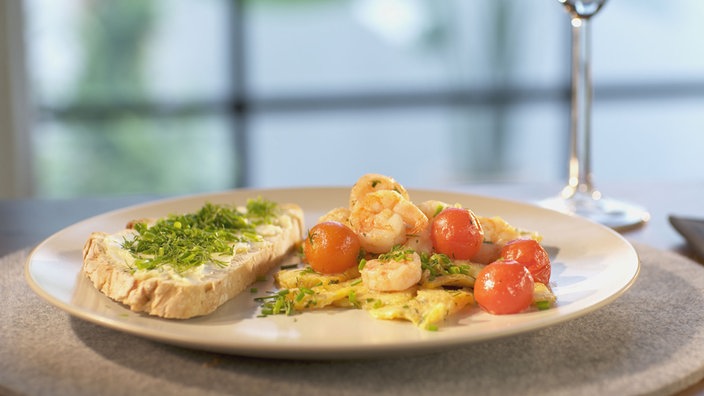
column 181, row 294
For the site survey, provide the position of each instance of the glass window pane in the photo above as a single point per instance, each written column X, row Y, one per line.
column 426, row 147
column 325, row 46
column 132, row 154
column 132, row 96
column 188, row 51
column 372, row 45
column 649, row 140
column 648, row 42
column 162, row 50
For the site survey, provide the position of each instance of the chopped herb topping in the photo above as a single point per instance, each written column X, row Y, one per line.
column 193, row 239
column 276, row 303
column 441, row 264
column 308, row 270
column 352, row 297
column 261, row 211
column 302, row 291
column 397, row 253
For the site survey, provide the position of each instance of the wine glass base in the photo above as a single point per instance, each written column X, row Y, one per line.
column 610, row 212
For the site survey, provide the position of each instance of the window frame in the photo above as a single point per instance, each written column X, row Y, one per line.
column 16, row 175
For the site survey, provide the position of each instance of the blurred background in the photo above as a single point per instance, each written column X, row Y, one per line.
column 101, row 97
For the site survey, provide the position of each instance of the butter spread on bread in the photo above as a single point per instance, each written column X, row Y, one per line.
column 184, row 266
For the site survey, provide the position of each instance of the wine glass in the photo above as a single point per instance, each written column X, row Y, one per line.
column 579, row 196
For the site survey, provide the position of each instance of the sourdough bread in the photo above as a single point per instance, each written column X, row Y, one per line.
column 197, row 291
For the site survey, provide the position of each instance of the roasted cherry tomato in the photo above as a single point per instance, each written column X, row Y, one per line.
column 331, row 247
column 504, row 287
column 457, row 233
column 533, row 256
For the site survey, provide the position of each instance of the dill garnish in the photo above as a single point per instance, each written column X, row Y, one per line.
column 189, row 240
column 261, row 211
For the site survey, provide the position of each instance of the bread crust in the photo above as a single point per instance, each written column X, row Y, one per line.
column 162, row 294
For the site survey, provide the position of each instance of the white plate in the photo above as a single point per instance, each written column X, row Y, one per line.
column 592, row 267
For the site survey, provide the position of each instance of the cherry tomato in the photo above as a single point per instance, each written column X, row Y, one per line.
column 533, row 256
column 457, row 233
column 331, row 247
column 504, row 287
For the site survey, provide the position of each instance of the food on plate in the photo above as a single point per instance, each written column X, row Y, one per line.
column 504, row 287
column 422, row 262
column 457, row 233
column 384, row 218
column 187, row 265
column 331, row 247
column 530, row 254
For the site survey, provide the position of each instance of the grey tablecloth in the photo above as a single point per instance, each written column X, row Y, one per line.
column 649, row 341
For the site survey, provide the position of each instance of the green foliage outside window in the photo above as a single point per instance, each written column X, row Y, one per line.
column 102, row 144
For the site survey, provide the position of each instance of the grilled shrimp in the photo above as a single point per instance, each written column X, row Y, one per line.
column 372, row 182
column 384, row 218
column 392, row 274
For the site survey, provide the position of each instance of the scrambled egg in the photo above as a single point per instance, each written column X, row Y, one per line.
column 426, row 305
column 423, row 307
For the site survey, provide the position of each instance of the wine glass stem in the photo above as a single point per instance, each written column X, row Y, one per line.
column 580, row 173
